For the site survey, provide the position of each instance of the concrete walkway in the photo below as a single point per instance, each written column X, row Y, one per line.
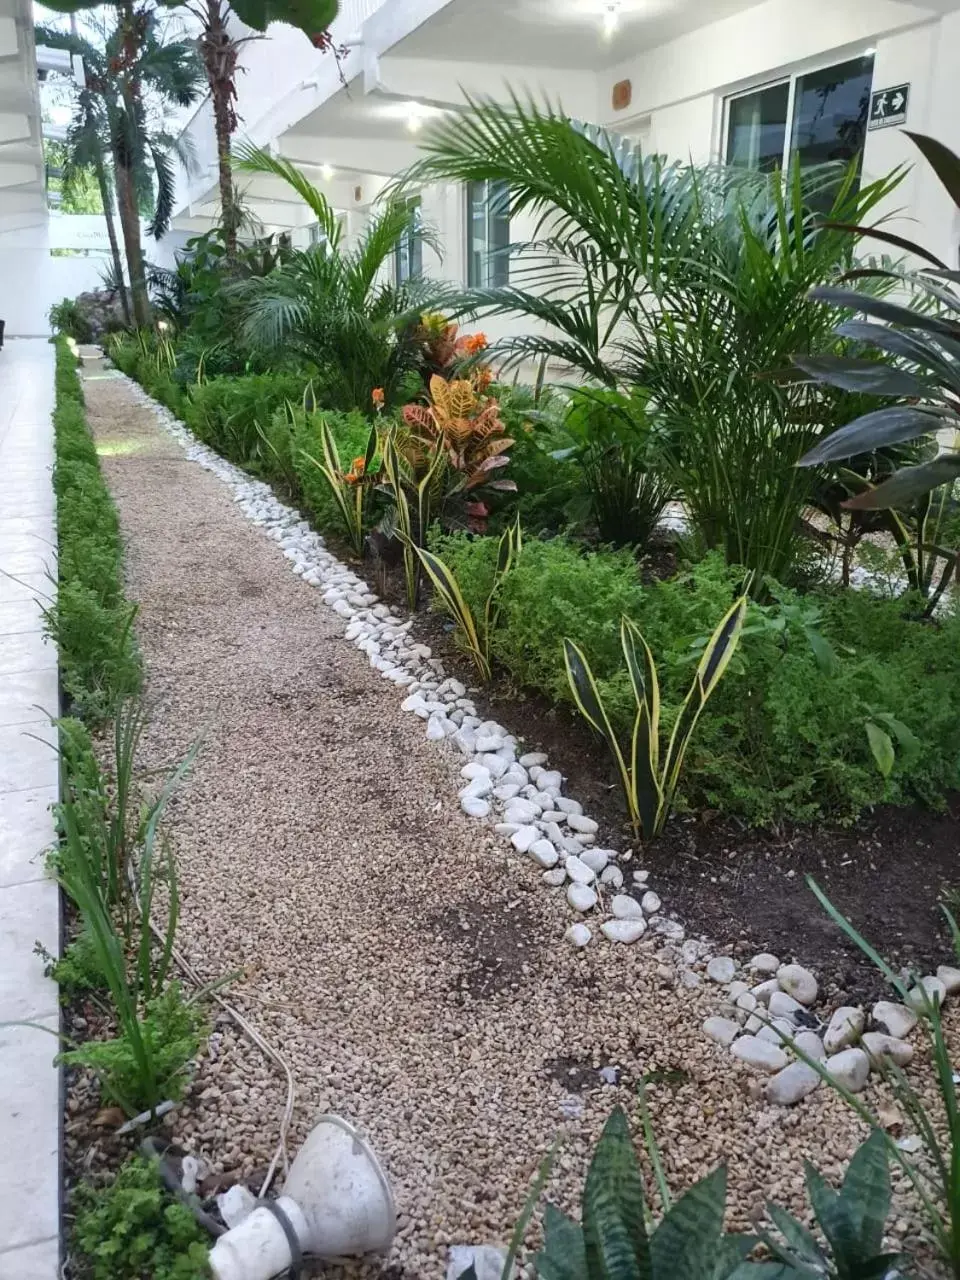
column 29, row 902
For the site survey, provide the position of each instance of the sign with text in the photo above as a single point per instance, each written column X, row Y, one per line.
column 888, row 107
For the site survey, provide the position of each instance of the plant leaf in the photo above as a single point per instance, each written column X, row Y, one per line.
column 563, row 1256
column 881, row 745
column 871, row 377
column 684, row 1245
column 865, row 1194
column 875, row 430
column 943, row 161
column 908, row 484
column 614, row 1228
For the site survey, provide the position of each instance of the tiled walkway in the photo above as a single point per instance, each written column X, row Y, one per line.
column 29, row 903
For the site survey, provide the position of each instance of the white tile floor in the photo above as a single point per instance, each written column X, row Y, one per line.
column 29, row 902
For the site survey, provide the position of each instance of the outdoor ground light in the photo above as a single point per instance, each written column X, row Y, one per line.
column 336, row 1203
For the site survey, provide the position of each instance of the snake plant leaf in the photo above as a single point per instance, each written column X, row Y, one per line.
column 716, row 657
column 870, row 377
column 874, row 430
column 865, row 1193
column 446, row 586
column 684, row 1245
column 645, row 745
column 563, row 1256
column 589, row 702
column 832, row 1217
column 614, row 1226
column 729, row 1258
column 801, row 1242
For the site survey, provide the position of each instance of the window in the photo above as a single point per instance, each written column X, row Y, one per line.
column 408, row 255
column 488, row 235
column 818, row 116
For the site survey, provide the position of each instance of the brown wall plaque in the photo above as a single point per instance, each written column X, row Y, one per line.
column 622, row 95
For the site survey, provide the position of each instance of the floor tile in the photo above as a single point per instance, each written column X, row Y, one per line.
column 29, row 914
column 26, row 833
column 29, row 1127
column 28, row 757
column 26, row 651
column 17, row 616
column 32, row 1261
column 27, row 586
column 29, row 695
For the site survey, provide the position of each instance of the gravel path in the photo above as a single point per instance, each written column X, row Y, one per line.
column 407, row 963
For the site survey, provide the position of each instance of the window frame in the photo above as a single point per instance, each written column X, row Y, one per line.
column 491, row 257
column 410, row 245
column 789, row 78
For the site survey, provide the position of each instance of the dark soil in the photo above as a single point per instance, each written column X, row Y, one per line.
column 887, row 874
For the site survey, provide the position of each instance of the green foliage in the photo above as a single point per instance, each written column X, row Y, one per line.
column 78, row 970
column 934, row 1173
column 167, row 1035
column 134, row 1230
column 475, row 631
column 228, row 413
column 67, row 319
column 90, row 620
column 297, row 435
column 690, row 281
column 921, row 338
column 788, row 738
column 647, row 787
column 617, row 442
column 349, row 483
column 615, row 1238
column 336, row 308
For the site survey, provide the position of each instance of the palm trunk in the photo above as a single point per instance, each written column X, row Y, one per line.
column 112, row 237
column 219, row 51
column 130, row 225
column 127, row 147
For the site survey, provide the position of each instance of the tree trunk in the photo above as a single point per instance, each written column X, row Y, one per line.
column 112, row 237
column 130, row 224
column 219, row 51
column 127, row 148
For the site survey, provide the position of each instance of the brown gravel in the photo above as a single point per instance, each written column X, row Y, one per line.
column 409, row 965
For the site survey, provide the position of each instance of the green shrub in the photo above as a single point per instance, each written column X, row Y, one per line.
column 351, row 431
column 787, row 738
column 78, row 969
column 169, row 1031
column 226, row 413
column 67, row 319
column 90, row 618
column 134, row 1229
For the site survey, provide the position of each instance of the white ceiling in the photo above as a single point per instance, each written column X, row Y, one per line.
column 558, row 33
column 21, row 153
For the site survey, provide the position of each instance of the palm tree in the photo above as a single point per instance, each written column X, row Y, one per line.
column 331, row 306
column 134, row 64
column 689, row 281
column 220, row 51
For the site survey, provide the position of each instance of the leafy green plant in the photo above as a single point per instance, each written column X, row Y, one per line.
column 615, row 442
column 475, row 632
column 690, row 281
column 616, row 1239
column 852, row 1219
column 90, row 619
column 146, row 1063
column 134, row 1228
column 66, row 318
column 411, row 525
column 227, row 413
column 349, row 488
column 922, row 341
column 332, row 307
column 935, row 1174
column 648, row 787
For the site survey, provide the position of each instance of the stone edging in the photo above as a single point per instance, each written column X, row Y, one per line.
column 757, row 1020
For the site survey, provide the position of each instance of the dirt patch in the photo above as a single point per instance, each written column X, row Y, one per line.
column 494, row 941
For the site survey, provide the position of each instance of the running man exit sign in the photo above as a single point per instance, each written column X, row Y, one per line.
column 888, row 107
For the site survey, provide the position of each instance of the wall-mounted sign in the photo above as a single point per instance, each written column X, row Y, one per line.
column 888, row 107
column 622, row 95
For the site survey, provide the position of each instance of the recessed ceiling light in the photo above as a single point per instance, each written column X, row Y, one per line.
column 611, row 20
column 327, row 171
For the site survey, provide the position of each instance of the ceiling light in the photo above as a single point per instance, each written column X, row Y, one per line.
column 611, row 20
column 869, row 53
column 326, row 172
column 414, row 118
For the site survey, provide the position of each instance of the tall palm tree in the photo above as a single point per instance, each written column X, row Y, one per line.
column 135, row 64
column 220, row 47
column 332, row 306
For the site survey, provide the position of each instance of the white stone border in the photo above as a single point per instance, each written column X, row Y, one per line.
column 524, row 798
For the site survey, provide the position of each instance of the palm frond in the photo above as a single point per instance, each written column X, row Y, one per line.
column 248, row 158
